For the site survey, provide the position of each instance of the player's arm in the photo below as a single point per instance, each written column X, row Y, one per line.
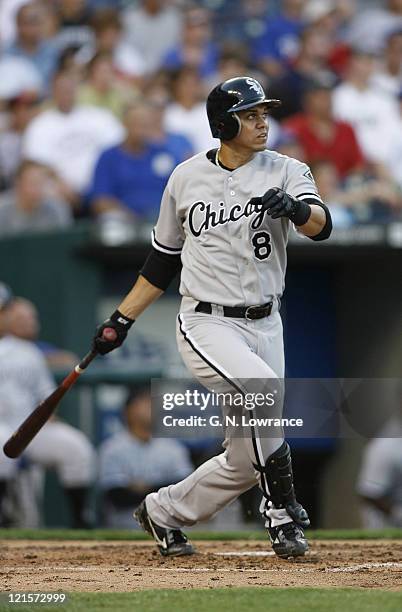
column 316, row 222
column 154, row 278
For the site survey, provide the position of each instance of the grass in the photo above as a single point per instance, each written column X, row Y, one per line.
column 110, row 534
column 228, row 600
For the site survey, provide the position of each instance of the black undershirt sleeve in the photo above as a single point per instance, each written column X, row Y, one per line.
column 327, row 229
column 160, row 268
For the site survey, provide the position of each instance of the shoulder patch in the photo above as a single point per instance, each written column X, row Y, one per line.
column 308, row 175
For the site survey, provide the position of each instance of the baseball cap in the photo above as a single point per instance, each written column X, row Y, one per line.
column 6, row 295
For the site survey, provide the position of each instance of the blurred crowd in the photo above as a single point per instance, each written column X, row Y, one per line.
column 100, row 99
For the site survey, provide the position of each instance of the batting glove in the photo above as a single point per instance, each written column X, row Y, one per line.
column 278, row 203
column 106, row 341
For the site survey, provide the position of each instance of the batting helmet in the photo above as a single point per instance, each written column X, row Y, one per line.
column 230, row 96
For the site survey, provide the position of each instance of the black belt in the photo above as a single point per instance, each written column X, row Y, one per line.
column 239, row 312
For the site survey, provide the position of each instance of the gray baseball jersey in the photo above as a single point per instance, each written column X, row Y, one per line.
column 232, row 255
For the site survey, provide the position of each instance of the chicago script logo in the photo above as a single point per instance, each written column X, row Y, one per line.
column 202, row 217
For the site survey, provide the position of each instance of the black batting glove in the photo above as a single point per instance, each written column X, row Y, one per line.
column 278, row 204
column 111, row 333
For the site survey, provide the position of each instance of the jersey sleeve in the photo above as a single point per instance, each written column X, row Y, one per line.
column 168, row 234
column 299, row 182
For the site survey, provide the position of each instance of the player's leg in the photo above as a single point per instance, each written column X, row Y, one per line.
column 68, row 450
column 285, row 517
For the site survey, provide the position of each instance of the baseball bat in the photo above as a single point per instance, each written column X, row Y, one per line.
column 41, row 414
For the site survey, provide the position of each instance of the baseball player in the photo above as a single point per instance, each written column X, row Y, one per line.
column 225, row 216
column 24, row 381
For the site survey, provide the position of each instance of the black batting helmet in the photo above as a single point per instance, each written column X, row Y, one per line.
column 230, row 96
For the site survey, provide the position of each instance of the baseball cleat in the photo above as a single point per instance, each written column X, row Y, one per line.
column 171, row 542
column 288, row 540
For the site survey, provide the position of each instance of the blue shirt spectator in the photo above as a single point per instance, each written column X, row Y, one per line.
column 176, row 58
column 135, row 179
column 195, row 48
column 130, row 178
column 29, row 43
column 278, row 44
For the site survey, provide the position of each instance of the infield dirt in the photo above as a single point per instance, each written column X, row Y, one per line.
column 130, row 566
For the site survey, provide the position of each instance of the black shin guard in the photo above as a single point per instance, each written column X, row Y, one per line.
column 279, row 476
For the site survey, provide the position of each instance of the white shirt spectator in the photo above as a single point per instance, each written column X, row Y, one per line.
column 191, row 123
column 386, row 83
column 153, row 35
column 381, row 476
column 70, row 143
column 372, row 115
column 370, row 28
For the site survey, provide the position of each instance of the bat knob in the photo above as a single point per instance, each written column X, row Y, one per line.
column 109, row 334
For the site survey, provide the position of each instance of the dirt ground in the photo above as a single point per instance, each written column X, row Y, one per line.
column 130, row 566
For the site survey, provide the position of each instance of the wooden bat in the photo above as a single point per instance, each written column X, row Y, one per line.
column 37, row 419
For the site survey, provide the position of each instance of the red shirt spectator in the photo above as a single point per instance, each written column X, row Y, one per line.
column 322, row 137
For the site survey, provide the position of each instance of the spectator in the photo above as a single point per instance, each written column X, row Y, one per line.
column 133, row 464
column 21, row 110
column 152, row 28
column 33, row 205
column 186, row 113
column 25, row 381
column 388, row 76
column 130, row 177
column 30, row 42
column 359, row 199
column 8, row 11
column 371, row 26
column 108, row 30
column 69, row 137
column 195, row 48
column 278, row 45
column 311, row 63
column 370, row 112
column 74, row 25
column 233, row 60
column 320, row 135
column 328, row 16
column 380, row 480
column 178, row 145
column 102, row 88
column 23, row 322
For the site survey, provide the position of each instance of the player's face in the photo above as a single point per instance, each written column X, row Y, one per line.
column 254, row 128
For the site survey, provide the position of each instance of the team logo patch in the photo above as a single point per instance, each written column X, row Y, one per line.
column 255, row 86
column 308, row 175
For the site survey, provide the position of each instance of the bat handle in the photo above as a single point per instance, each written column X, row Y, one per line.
column 84, row 363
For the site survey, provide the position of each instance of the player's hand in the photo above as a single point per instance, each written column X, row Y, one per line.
column 278, row 203
column 111, row 333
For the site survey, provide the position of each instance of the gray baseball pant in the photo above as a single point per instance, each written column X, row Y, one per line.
column 225, row 355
